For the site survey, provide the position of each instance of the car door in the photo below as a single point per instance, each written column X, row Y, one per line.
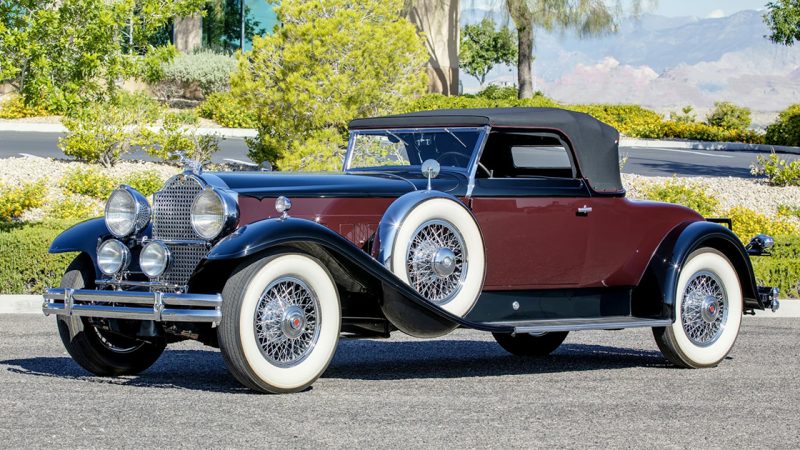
column 535, row 228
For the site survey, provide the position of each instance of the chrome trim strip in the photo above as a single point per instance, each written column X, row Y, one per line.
column 473, row 164
column 548, row 326
column 157, row 306
column 143, row 284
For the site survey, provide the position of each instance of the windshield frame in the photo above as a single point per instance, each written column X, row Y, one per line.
column 469, row 170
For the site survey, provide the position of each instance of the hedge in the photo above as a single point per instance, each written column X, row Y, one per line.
column 25, row 265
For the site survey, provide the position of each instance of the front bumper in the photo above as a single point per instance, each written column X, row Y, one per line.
column 134, row 305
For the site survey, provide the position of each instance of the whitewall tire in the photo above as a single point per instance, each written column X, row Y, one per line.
column 280, row 322
column 438, row 250
column 708, row 311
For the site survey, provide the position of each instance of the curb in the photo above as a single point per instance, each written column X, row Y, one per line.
column 32, row 304
column 703, row 145
column 28, row 127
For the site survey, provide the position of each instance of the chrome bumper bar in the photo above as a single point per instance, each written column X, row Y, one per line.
column 157, row 306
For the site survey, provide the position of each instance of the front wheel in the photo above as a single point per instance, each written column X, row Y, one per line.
column 96, row 350
column 529, row 345
column 280, row 322
column 708, row 312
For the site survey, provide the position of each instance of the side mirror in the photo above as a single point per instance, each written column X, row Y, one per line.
column 760, row 245
column 430, row 169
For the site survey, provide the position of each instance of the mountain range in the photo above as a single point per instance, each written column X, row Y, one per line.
column 663, row 63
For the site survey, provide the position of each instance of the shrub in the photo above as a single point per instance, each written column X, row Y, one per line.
column 778, row 171
column 703, row 132
column 782, row 273
column 15, row 108
column 73, row 208
column 187, row 116
column 206, row 70
column 748, row 223
column 788, row 211
column 25, row 265
column 148, row 182
column 145, row 108
column 227, row 110
column 631, row 120
column 176, row 138
column 104, row 132
column 786, row 246
column 681, row 193
column 686, row 115
column 14, row 201
column 89, row 182
column 786, row 129
column 495, row 92
column 729, row 116
column 438, row 101
column 330, row 62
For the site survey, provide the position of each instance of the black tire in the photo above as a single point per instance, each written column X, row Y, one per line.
column 84, row 342
column 527, row 345
column 243, row 298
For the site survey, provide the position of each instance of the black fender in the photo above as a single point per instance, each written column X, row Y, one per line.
column 402, row 306
column 661, row 276
column 83, row 237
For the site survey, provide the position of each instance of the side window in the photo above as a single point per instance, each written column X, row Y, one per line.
column 527, row 155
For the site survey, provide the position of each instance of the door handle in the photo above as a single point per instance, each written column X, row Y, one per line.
column 585, row 210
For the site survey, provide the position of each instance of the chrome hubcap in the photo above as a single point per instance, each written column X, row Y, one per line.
column 287, row 321
column 436, row 261
column 704, row 311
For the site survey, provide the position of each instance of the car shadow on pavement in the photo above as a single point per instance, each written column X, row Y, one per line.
column 204, row 370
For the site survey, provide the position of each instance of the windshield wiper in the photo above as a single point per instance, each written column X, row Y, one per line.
column 455, row 137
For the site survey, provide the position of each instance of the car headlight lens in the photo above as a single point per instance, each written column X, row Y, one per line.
column 154, row 259
column 113, row 257
column 211, row 213
column 127, row 212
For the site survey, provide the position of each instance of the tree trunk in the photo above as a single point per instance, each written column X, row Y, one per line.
column 439, row 20
column 525, row 59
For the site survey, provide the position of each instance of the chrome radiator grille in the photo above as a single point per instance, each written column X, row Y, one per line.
column 171, row 222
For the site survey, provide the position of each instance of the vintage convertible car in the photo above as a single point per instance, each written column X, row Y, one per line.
column 509, row 221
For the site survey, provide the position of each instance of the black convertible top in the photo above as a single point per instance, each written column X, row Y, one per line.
column 596, row 145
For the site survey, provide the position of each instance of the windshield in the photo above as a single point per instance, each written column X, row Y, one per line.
column 451, row 147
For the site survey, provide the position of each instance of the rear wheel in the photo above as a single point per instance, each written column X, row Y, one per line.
column 280, row 322
column 96, row 350
column 529, row 345
column 708, row 312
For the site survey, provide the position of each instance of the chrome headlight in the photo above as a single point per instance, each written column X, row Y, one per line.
column 154, row 259
column 212, row 213
column 113, row 257
column 127, row 212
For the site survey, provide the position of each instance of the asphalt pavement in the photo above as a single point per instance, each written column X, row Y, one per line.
column 641, row 161
column 600, row 389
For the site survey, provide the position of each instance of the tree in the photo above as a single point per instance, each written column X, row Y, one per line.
column 587, row 17
column 729, row 116
column 329, row 62
column 783, row 20
column 483, row 47
column 222, row 24
column 62, row 53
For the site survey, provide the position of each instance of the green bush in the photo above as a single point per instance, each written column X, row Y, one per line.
column 206, row 70
column 15, row 108
column 786, row 246
column 729, row 116
column 148, row 182
column 177, row 137
column 786, row 128
column 89, row 182
column 782, row 273
column 748, row 223
column 25, row 265
column 104, row 132
column 14, row 201
column 495, row 92
column 73, row 207
column 778, row 171
column 145, row 108
column 686, row 115
column 227, row 110
column 682, row 193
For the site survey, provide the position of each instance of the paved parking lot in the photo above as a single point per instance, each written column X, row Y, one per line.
column 601, row 389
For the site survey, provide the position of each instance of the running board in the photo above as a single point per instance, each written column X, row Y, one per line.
column 595, row 323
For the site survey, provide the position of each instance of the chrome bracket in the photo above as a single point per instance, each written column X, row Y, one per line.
column 158, row 306
column 68, row 301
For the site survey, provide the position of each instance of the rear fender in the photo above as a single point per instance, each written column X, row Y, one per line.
column 400, row 304
column 660, row 282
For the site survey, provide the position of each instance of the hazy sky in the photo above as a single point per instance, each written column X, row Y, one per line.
column 706, row 8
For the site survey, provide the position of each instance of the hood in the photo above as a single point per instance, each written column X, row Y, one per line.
column 364, row 184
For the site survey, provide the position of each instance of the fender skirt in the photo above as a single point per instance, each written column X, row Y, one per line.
column 402, row 305
column 666, row 263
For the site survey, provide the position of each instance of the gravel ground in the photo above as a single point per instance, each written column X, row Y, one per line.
column 600, row 389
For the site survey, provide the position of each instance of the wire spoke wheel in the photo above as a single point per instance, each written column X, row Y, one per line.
column 436, row 261
column 704, row 310
column 287, row 321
